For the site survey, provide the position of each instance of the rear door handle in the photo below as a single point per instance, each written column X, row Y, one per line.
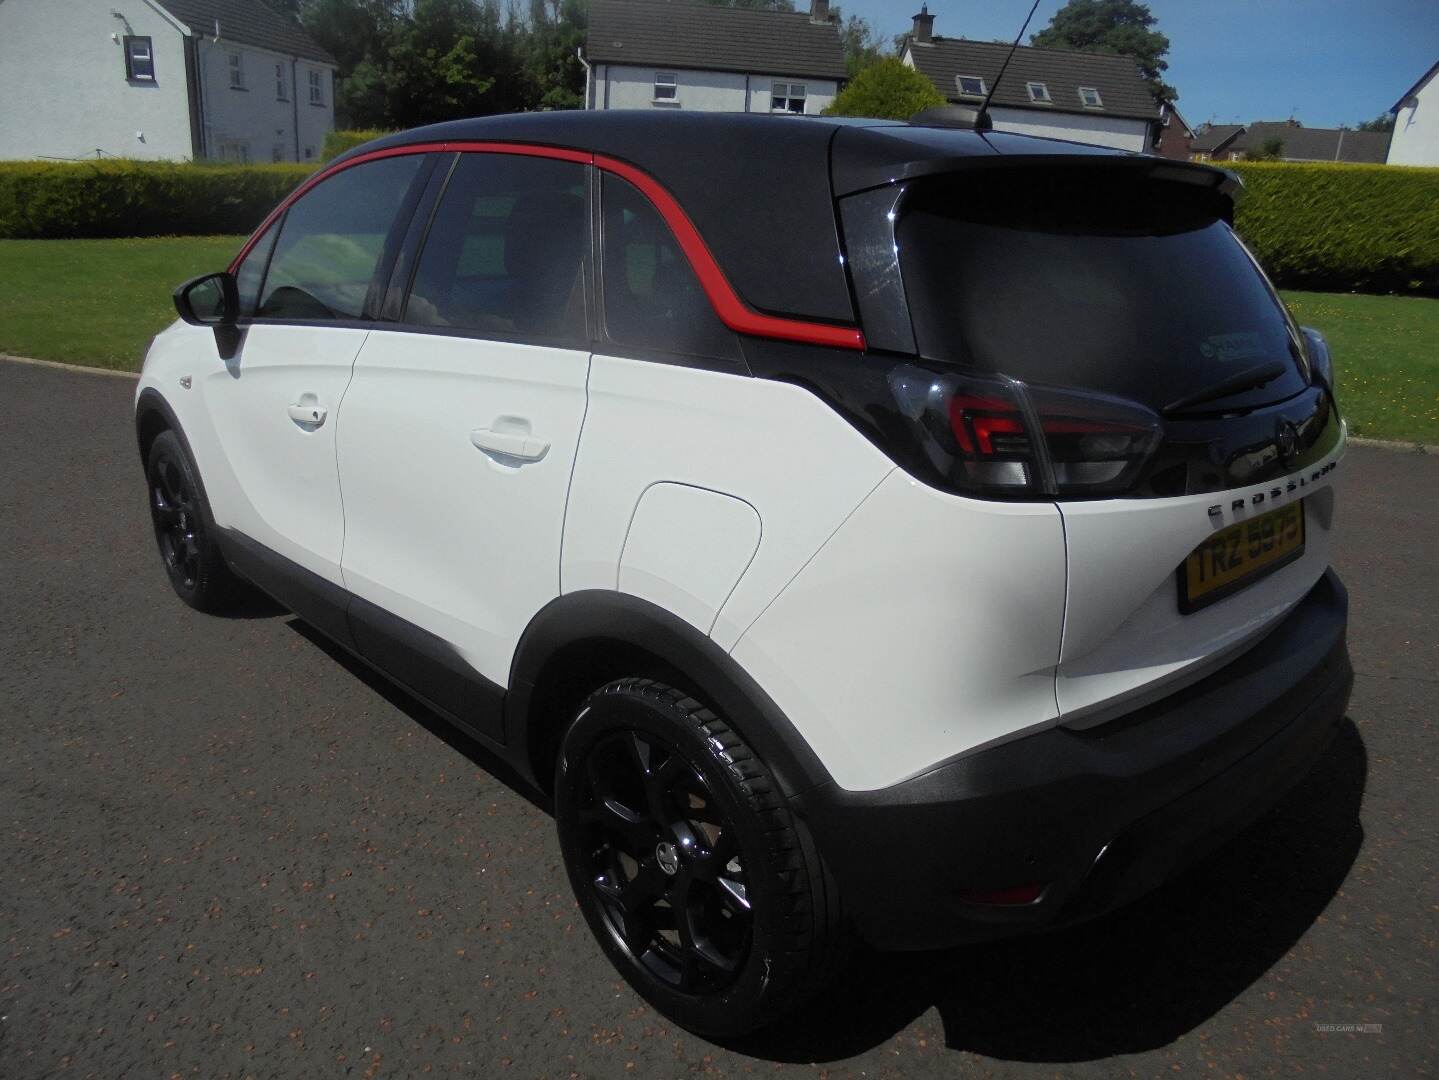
column 307, row 414
column 510, row 444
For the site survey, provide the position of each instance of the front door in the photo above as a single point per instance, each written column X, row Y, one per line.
column 459, row 432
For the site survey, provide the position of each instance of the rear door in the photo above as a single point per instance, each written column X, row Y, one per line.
column 1107, row 293
column 274, row 405
column 459, row 432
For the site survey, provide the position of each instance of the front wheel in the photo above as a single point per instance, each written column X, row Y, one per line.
column 192, row 557
column 701, row 887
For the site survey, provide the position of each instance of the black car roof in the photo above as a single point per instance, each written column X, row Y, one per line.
column 760, row 188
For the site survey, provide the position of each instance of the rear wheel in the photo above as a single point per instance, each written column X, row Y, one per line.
column 701, row 887
column 183, row 530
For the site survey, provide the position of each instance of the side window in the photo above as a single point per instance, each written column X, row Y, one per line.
column 252, row 271
column 139, row 59
column 652, row 299
column 506, row 251
column 331, row 241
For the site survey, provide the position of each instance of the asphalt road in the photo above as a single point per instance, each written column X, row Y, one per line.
column 229, row 852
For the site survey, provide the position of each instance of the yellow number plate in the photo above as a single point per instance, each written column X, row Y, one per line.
column 1239, row 555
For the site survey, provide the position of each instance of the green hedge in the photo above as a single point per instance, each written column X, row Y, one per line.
column 48, row 200
column 337, row 142
column 1359, row 228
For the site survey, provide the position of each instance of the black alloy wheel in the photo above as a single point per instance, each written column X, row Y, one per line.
column 193, row 561
column 699, row 884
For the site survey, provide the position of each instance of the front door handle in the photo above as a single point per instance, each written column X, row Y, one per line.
column 310, row 415
column 515, row 445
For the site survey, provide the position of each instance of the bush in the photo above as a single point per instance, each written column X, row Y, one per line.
column 1339, row 227
column 337, row 142
column 886, row 90
column 51, row 200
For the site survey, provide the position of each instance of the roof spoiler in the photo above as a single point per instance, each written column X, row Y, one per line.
column 954, row 116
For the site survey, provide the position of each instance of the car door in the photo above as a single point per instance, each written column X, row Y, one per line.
column 304, row 290
column 459, row 431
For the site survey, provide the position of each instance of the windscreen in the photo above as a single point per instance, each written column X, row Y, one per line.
column 1102, row 280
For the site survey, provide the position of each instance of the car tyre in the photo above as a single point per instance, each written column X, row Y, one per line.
column 185, row 530
column 702, row 888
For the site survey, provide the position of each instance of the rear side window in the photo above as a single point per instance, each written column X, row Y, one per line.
column 331, row 240
column 506, row 251
column 652, row 299
column 1091, row 279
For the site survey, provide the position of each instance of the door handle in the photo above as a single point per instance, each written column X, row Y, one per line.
column 307, row 414
column 515, row 445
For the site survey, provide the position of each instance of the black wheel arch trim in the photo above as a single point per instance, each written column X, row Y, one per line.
column 601, row 617
column 151, row 402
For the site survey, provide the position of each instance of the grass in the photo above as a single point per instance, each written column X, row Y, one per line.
column 99, row 301
column 1386, row 352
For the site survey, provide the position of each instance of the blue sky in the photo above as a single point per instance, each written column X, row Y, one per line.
column 1326, row 62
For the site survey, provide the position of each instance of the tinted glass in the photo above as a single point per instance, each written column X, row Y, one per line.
column 1093, row 280
column 252, row 271
column 506, row 251
column 652, row 298
column 331, row 241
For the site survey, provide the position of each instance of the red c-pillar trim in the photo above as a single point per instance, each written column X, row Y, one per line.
column 732, row 311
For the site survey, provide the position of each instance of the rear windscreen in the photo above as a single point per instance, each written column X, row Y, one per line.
column 1084, row 278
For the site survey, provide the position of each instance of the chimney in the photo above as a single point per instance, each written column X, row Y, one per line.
column 819, row 11
column 923, row 26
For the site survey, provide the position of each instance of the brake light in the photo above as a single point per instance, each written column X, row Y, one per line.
column 999, row 436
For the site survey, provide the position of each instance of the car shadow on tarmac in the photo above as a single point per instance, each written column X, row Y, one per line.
column 1133, row 981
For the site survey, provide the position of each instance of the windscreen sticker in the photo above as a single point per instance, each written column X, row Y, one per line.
column 1245, row 345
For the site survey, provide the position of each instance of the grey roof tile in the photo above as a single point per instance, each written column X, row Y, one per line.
column 248, row 22
column 664, row 33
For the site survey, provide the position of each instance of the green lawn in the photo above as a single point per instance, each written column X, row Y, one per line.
column 99, row 301
column 1386, row 351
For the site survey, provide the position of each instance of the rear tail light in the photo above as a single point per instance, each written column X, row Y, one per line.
column 999, row 437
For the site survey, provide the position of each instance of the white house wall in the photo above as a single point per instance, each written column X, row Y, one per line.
column 615, row 86
column 255, row 118
column 1416, row 128
column 63, row 91
column 1116, row 131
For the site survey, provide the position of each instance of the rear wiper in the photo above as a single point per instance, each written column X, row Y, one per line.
column 1248, row 379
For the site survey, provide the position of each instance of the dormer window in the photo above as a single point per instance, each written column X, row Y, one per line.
column 1089, row 98
column 1038, row 92
column 970, row 86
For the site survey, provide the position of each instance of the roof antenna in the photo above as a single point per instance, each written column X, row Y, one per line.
column 982, row 122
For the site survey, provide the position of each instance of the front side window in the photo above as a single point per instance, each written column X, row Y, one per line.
column 331, row 241
column 506, row 252
column 282, row 88
column 317, row 88
column 1090, row 98
column 970, row 85
column 139, row 59
column 237, row 71
column 666, row 86
column 787, row 98
column 652, row 300
column 1038, row 92
column 251, row 272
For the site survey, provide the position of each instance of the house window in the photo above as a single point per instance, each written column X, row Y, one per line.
column 1038, row 92
column 317, row 88
column 237, row 71
column 235, row 152
column 139, row 59
column 666, row 86
column 282, row 88
column 970, row 86
column 277, row 153
column 787, row 98
column 1090, row 98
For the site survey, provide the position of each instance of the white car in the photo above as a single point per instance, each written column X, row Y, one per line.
column 860, row 530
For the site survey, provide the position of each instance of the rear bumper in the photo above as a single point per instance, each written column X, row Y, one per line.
column 1099, row 817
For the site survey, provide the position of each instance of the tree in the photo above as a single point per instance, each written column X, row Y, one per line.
column 889, row 90
column 1121, row 27
column 754, row 5
column 1271, row 149
column 862, row 46
column 1382, row 122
